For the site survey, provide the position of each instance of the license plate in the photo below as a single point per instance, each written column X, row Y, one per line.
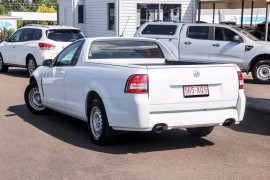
column 196, row 91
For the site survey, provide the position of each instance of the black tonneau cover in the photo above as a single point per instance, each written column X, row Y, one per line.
column 175, row 62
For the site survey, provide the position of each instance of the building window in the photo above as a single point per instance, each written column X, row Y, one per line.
column 147, row 13
column 158, row 12
column 171, row 12
column 80, row 14
column 111, row 16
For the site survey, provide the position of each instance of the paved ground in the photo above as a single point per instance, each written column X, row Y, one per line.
column 57, row 147
column 258, row 96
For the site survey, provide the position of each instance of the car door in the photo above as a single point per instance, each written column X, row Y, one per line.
column 195, row 43
column 54, row 77
column 10, row 48
column 224, row 49
column 22, row 48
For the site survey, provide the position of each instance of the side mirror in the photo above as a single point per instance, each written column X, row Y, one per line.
column 237, row 38
column 47, row 62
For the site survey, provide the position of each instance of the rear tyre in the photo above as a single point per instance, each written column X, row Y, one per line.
column 31, row 64
column 3, row 67
column 261, row 71
column 33, row 100
column 100, row 131
column 200, row 131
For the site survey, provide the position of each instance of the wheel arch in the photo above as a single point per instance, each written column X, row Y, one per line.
column 28, row 56
column 257, row 58
column 32, row 79
column 90, row 97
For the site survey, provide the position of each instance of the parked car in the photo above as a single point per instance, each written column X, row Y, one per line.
column 259, row 31
column 31, row 44
column 136, row 84
column 213, row 43
column 231, row 23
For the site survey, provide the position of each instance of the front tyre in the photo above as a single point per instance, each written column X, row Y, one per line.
column 200, row 131
column 100, row 131
column 3, row 67
column 31, row 64
column 261, row 71
column 33, row 100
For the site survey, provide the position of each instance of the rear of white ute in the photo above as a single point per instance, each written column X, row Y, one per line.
column 188, row 96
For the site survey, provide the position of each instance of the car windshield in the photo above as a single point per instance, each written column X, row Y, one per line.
column 64, row 35
column 245, row 33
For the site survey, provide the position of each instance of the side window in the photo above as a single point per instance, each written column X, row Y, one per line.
column 27, row 35
column 224, row 34
column 69, row 54
column 37, row 34
column 15, row 37
column 198, row 32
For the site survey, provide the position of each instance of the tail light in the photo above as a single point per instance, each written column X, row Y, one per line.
column 241, row 80
column 137, row 84
column 46, row 46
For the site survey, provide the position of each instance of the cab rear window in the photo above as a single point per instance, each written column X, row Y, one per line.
column 199, row 32
column 64, row 35
column 160, row 29
column 118, row 49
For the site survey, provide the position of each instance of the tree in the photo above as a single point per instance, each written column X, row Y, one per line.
column 44, row 8
column 5, row 33
column 2, row 9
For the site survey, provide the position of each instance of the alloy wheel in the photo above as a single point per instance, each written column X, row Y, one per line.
column 31, row 66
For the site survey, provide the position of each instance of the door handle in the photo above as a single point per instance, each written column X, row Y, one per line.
column 187, row 43
column 216, row 45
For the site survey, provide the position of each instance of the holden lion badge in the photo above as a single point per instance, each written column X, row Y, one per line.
column 196, row 73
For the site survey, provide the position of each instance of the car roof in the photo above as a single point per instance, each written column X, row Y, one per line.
column 121, row 38
column 38, row 26
column 182, row 23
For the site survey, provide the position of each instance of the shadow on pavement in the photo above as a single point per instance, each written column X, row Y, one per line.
column 255, row 123
column 75, row 132
column 252, row 81
column 17, row 72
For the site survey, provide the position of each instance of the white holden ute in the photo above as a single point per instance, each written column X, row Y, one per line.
column 136, row 84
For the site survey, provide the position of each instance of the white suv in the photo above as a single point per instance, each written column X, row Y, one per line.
column 32, row 44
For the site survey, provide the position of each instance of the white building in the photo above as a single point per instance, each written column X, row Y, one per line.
column 121, row 17
column 35, row 16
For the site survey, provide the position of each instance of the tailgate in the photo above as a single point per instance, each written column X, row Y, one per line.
column 167, row 83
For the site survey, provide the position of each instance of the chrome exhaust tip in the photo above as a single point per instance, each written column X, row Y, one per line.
column 228, row 122
column 158, row 128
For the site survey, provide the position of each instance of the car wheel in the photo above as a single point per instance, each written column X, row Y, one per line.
column 200, row 131
column 261, row 71
column 100, row 131
column 31, row 65
column 3, row 67
column 33, row 100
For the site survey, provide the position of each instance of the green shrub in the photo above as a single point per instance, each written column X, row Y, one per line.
column 5, row 33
